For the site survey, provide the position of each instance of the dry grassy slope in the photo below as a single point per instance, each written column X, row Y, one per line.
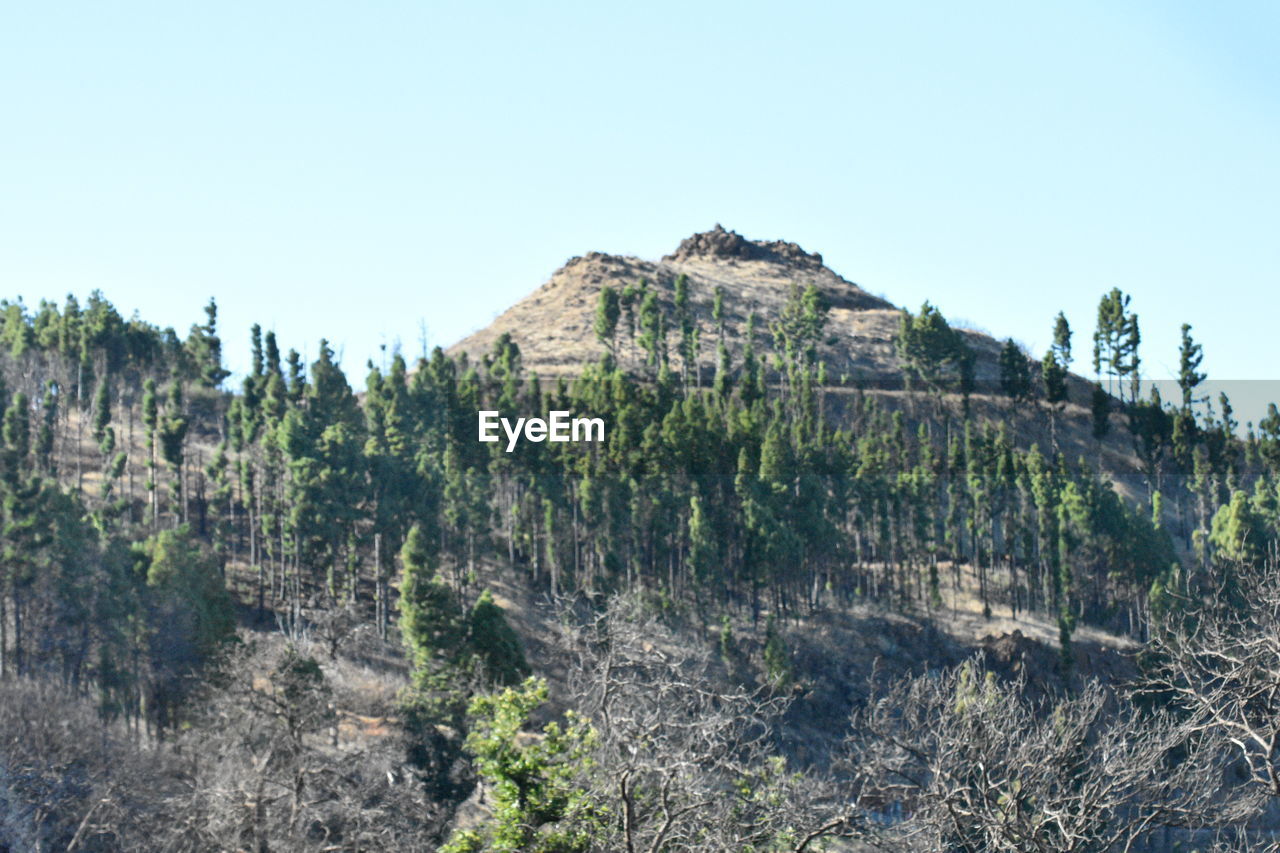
column 554, row 327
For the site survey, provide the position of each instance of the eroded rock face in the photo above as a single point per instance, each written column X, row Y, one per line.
column 719, row 243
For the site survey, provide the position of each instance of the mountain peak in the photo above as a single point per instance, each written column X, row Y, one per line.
column 730, row 245
column 555, row 325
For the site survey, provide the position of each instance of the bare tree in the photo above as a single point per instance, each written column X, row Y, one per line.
column 683, row 763
column 1219, row 661
column 265, row 771
column 71, row 781
column 332, row 626
column 959, row 761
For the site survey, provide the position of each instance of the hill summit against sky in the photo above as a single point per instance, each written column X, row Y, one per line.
column 554, row 325
column 554, row 328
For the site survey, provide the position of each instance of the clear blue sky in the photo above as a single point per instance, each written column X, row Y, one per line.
column 351, row 170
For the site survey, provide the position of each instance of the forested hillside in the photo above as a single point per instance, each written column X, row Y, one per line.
column 281, row 615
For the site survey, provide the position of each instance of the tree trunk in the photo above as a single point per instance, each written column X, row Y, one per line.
column 17, row 634
column 381, row 587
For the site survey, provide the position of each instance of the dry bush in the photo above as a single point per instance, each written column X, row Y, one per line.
column 266, row 772
column 1219, row 662
column 258, row 770
column 958, row 761
column 682, row 763
column 70, row 781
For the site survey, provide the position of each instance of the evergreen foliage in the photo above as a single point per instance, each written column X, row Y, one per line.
column 537, row 807
column 766, row 495
column 1015, row 372
column 931, row 350
column 493, row 642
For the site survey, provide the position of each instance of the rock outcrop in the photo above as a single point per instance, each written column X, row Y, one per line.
column 730, row 245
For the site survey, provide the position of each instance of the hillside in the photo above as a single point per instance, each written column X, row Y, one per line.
column 314, row 619
column 554, row 330
column 553, row 326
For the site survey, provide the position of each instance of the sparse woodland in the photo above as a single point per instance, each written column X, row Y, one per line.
column 269, row 618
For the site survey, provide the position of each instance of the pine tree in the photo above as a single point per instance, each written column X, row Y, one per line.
column 728, row 644
column 297, row 377
column 1015, row 373
column 151, row 420
column 688, row 329
column 1190, row 354
column 101, row 410
column 717, row 312
column 493, row 643
column 1100, row 409
column 271, row 357
column 723, row 382
column 256, row 358
column 1115, row 343
column 1054, row 368
column 653, row 331
column 931, row 350
column 430, row 618
column 1107, row 334
column 45, row 436
column 1132, row 340
column 1239, row 535
column 777, row 658
column 608, row 310
column 1062, row 341
column 193, row 613
column 1055, row 390
column 205, row 348
column 17, row 436
column 704, row 545
column 1072, row 520
column 172, row 435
